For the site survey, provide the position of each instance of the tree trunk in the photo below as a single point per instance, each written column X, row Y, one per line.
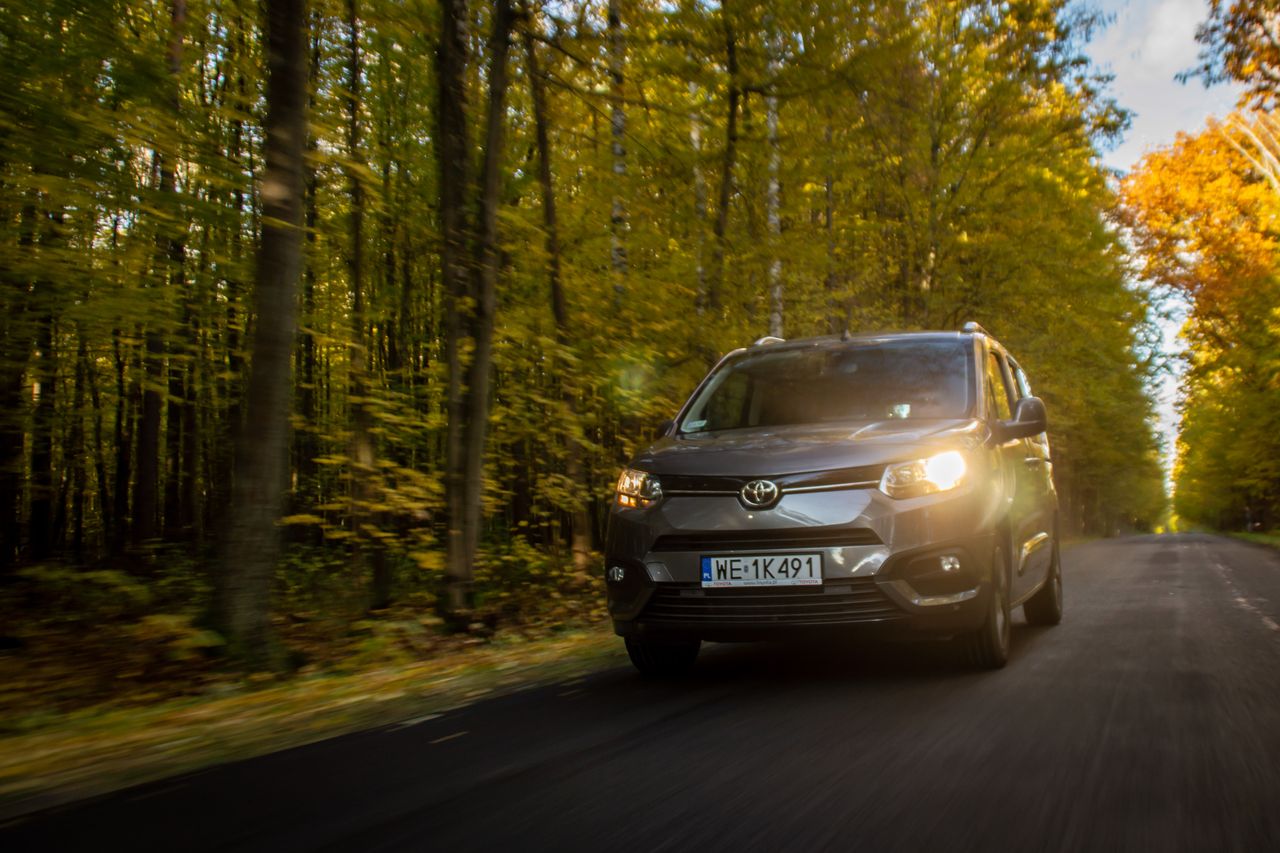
column 172, row 251
column 106, row 512
column 580, row 523
column 13, row 401
column 189, row 509
column 172, row 512
column 231, row 382
column 306, row 445
column 44, row 370
column 453, row 154
column 773, row 190
column 699, row 198
column 45, row 506
column 11, row 477
column 363, row 460
column 721, row 228
column 618, row 150
column 253, row 542
column 472, row 284
column 486, row 270
column 835, row 321
column 127, row 403
column 76, row 449
column 147, row 481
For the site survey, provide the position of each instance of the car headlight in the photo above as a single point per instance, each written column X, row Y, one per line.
column 939, row 473
column 637, row 489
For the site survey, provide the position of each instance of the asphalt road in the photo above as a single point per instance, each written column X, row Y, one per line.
column 1148, row 720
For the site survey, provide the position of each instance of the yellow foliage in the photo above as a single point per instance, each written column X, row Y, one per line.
column 1202, row 221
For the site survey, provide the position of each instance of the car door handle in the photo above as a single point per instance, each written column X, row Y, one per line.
column 1034, row 460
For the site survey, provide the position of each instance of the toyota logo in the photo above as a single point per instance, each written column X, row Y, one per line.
column 759, row 493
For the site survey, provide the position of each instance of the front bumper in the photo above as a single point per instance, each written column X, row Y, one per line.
column 881, row 573
column 901, row 601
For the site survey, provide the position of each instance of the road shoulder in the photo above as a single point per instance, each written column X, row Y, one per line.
column 100, row 750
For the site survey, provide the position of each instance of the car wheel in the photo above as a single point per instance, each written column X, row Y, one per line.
column 1045, row 607
column 988, row 646
column 662, row 660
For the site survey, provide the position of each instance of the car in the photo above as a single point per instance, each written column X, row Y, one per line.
column 892, row 486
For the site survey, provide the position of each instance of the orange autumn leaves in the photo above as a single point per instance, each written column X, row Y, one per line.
column 1202, row 220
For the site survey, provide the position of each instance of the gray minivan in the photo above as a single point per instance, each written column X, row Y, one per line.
column 896, row 484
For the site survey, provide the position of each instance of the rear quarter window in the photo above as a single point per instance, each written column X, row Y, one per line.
column 997, row 390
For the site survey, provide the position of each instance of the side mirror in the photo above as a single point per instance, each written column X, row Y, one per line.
column 1029, row 419
column 665, row 427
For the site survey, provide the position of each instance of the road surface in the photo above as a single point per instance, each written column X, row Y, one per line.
column 1148, row 720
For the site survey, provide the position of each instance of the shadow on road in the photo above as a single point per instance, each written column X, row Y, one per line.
column 845, row 662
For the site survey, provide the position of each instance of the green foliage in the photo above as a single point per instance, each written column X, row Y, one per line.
column 526, row 585
column 385, row 641
column 1228, row 473
column 173, row 637
column 64, row 591
column 937, row 162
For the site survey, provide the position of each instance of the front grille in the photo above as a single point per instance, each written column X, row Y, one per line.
column 691, row 484
column 787, row 537
column 834, row 603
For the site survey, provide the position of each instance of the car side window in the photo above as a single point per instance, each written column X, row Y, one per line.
column 1024, row 390
column 997, row 391
column 1020, row 382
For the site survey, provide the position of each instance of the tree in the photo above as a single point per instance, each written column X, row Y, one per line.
column 253, row 539
column 580, row 523
column 472, row 256
column 1202, row 213
column 617, row 148
column 465, row 388
column 1240, row 41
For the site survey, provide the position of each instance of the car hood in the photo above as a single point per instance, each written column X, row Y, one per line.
column 774, row 451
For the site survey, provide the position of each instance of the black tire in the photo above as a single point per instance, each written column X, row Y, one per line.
column 988, row 647
column 663, row 660
column 1045, row 607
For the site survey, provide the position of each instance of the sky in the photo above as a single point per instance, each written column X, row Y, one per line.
column 1145, row 46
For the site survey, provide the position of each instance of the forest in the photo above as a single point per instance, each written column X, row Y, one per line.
column 315, row 311
column 1203, row 216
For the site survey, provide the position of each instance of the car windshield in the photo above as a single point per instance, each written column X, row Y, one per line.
column 871, row 381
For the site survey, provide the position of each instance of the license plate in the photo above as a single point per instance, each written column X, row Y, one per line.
column 762, row 570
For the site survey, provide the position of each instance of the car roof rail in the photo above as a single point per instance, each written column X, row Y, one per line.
column 972, row 328
column 769, row 339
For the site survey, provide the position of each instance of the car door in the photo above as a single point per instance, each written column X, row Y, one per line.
column 1020, row 483
column 1038, row 471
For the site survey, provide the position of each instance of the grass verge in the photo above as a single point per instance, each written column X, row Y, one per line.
column 97, row 750
column 1272, row 538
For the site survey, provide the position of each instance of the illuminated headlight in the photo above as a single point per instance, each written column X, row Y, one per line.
column 939, row 473
column 637, row 490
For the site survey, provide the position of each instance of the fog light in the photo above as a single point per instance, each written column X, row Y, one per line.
column 616, row 574
column 949, row 563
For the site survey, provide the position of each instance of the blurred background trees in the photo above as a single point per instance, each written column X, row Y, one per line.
column 526, row 233
column 1204, row 220
column 1205, row 216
